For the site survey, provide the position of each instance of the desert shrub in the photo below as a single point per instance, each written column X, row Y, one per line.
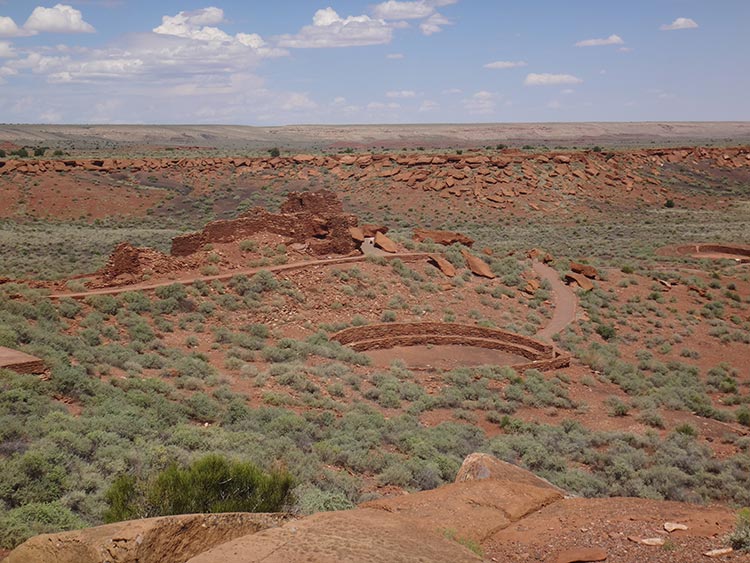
column 68, row 308
column 105, row 304
column 311, row 499
column 607, row 332
column 388, row 316
column 722, row 378
column 210, row 484
column 617, row 407
column 36, row 476
column 740, row 536
column 19, row 524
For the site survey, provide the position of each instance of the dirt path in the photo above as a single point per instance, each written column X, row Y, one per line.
column 248, row 271
column 566, row 302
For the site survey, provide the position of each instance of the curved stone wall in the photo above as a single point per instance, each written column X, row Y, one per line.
column 542, row 356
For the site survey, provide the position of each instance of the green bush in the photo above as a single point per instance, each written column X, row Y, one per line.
column 19, row 524
column 210, row 484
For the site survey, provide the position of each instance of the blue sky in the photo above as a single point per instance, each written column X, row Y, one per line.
column 420, row 61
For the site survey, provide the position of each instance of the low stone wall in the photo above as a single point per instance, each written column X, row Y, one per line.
column 379, row 331
column 388, row 335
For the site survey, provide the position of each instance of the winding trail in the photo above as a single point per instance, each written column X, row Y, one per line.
column 406, row 256
column 566, row 302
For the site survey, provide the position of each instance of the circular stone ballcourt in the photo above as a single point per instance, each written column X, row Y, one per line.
column 434, row 345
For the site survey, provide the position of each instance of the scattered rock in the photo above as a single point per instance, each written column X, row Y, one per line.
column 585, row 269
column 383, row 242
column 532, row 286
column 478, row 266
column 653, row 541
column 443, row 265
column 718, row 552
column 583, row 282
column 674, row 526
column 582, row 555
column 488, row 251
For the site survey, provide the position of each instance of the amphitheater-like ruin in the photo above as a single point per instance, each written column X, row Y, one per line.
column 367, row 338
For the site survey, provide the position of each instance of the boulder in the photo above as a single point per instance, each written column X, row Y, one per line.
column 20, row 362
column 585, row 269
column 583, row 282
column 479, row 466
column 443, row 265
column 445, row 238
column 369, row 229
column 357, row 234
column 477, row 266
column 384, row 243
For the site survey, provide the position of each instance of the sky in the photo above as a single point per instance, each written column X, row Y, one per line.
column 351, row 62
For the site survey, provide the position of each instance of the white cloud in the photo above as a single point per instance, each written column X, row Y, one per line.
column 6, row 50
column 401, row 94
column 193, row 25
column 505, row 64
column 297, row 102
column 481, row 102
column 611, row 40
column 546, row 79
column 554, row 104
column 625, row 49
column 429, row 105
column 395, row 10
column 8, row 28
column 395, row 56
column 328, row 29
column 379, row 106
column 567, row 91
column 679, row 23
column 452, row 91
column 59, row 19
column 434, row 24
